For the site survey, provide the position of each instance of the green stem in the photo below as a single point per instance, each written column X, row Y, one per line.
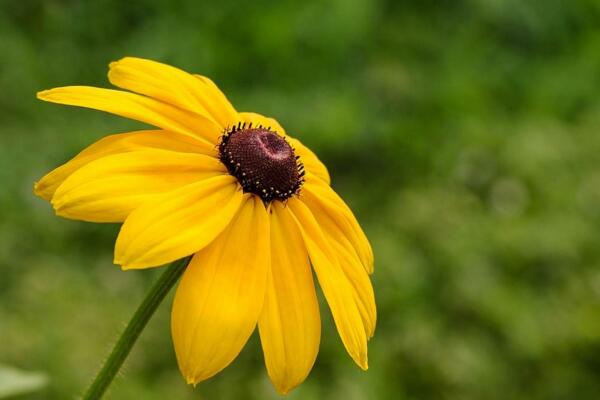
column 135, row 326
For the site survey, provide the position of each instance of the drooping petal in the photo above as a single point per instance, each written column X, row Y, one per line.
column 110, row 188
column 121, row 143
column 221, row 295
column 322, row 194
column 178, row 223
column 139, row 108
column 311, row 162
column 348, row 259
column 309, row 159
column 360, row 282
column 336, row 288
column 289, row 323
column 173, row 86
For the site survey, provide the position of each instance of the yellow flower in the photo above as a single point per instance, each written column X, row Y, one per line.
column 252, row 204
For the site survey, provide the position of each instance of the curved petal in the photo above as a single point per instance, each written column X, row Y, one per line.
column 348, row 259
column 333, row 281
column 139, row 108
column 221, row 294
column 311, row 162
column 178, row 223
column 316, row 191
column 110, row 188
column 215, row 95
column 173, row 86
column 121, row 143
column 359, row 280
column 289, row 324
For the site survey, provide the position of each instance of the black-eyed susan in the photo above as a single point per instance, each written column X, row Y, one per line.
column 252, row 205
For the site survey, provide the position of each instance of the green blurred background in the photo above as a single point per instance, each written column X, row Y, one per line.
column 464, row 134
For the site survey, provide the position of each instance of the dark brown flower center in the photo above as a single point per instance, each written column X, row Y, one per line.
column 263, row 162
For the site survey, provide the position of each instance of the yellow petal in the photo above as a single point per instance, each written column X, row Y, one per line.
column 221, row 294
column 320, row 193
column 348, row 260
column 110, row 188
column 336, row 288
column 121, row 143
column 359, row 280
column 178, row 223
column 289, row 323
column 217, row 102
column 311, row 162
column 173, row 86
column 136, row 107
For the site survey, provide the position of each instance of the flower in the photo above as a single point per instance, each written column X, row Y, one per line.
column 252, row 204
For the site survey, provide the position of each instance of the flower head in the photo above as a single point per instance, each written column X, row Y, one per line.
column 252, row 205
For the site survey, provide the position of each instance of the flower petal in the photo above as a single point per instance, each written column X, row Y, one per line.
column 228, row 115
column 140, row 108
column 178, row 223
column 322, row 194
column 221, row 294
column 336, row 288
column 348, row 259
column 289, row 324
column 121, row 143
column 110, row 188
column 173, row 86
column 311, row 162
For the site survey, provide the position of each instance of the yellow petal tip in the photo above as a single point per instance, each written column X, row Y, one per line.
column 111, row 68
column 58, row 204
column 191, row 381
column 284, row 387
column 39, row 191
column 43, row 94
column 282, row 391
column 362, row 361
column 122, row 264
column 364, row 364
column 59, row 212
column 118, row 260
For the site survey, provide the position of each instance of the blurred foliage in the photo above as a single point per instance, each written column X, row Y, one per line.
column 464, row 134
column 14, row 382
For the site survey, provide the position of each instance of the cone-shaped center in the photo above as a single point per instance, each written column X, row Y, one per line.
column 263, row 162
